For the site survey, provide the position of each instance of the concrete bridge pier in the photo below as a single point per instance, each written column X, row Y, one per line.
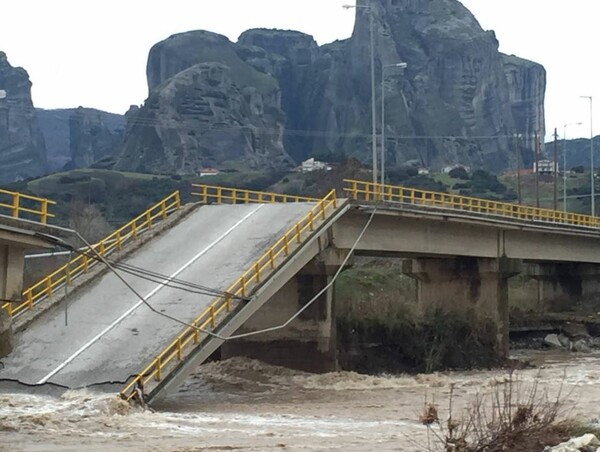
column 565, row 283
column 309, row 342
column 13, row 244
column 473, row 288
column 12, row 262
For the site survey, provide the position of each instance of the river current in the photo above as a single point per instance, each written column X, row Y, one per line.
column 246, row 405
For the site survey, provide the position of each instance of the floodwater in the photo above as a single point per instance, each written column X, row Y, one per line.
column 246, row 405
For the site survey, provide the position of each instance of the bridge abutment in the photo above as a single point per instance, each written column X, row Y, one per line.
column 471, row 289
column 309, row 341
column 13, row 244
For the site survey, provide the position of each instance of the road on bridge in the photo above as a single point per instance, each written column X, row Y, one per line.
column 111, row 334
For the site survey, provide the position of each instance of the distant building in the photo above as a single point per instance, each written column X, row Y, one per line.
column 545, row 167
column 208, row 172
column 314, row 165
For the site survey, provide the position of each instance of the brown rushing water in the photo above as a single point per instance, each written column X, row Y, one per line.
column 242, row 404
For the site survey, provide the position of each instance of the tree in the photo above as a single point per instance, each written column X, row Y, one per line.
column 459, row 173
column 89, row 221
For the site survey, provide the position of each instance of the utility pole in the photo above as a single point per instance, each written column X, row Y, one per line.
column 371, row 12
column 518, row 152
column 592, row 181
column 537, row 170
column 555, row 172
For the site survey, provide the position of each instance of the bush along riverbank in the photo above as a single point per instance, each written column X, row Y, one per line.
column 430, row 342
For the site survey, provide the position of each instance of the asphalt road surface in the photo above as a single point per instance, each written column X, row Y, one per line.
column 110, row 333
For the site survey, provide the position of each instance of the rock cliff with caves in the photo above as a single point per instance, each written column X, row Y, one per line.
column 275, row 97
column 22, row 147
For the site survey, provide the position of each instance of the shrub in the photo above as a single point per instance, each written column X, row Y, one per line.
column 578, row 169
column 459, row 173
column 73, row 178
column 512, row 416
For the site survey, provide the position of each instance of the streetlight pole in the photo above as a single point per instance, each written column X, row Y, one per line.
column 383, row 68
column 565, row 162
column 373, row 105
column 592, row 153
column 518, row 158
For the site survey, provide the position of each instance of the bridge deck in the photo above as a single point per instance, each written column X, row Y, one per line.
column 110, row 333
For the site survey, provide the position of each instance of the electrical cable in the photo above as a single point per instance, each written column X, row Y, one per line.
column 176, row 124
column 61, row 242
column 313, row 299
column 149, row 275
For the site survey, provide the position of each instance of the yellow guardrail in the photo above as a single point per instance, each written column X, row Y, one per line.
column 83, row 262
column 221, row 195
column 368, row 191
column 242, row 287
column 16, row 203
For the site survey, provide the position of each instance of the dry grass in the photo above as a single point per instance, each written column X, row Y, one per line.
column 513, row 416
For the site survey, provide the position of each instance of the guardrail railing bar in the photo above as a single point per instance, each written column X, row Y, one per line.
column 248, row 280
column 16, row 208
column 368, row 191
column 44, row 288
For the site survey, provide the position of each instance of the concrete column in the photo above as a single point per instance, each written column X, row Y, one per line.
column 477, row 287
column 309, row 342
column 12, row 262
column 564, row 284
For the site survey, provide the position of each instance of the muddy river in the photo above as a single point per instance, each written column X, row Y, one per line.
column 240, row 404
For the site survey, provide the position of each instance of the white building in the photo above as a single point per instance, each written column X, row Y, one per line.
column 208, row 172
column 314, row 165
column 545, row 167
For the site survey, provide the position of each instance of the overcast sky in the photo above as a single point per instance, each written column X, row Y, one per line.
column 93, row 53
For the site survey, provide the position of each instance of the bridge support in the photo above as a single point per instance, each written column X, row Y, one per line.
column 472, row 288
column 12, row 261
column 309, row 342
column 13, row 243
column 564, row 284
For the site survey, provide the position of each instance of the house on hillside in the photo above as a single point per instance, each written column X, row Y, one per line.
column 545, row 167
column 314, row 165
column 208, row 172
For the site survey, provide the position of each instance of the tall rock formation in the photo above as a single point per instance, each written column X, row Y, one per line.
column 459, row 100
column 206, row 108
column 77, row 137
column 93, row 134
column 22, row 147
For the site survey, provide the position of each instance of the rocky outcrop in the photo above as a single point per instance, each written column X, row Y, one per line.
column 22, row 147
column 216, row 112
column 77, row 137
column 526, row 90
column 93, row 135
column 460, row 101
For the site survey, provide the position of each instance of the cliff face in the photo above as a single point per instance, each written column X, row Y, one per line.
column 206, row 108
column 77, row 137
column 22, row 147
column 459, row 100
column 93, row 134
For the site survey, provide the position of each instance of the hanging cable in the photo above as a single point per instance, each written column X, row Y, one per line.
column 59, row 242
